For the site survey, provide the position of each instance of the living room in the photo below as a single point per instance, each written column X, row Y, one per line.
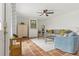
column 44, row 29
column 64, row 19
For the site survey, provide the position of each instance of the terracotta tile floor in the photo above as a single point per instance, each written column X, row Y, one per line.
column 31, row 49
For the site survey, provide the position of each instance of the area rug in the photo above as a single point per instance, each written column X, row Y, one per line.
column 46, row 46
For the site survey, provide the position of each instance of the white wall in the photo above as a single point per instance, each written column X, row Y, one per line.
column 66, row 21
column 14, row 18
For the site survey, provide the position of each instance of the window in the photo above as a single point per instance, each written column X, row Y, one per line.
column 33, row 23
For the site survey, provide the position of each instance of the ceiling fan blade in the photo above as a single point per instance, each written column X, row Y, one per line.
column 46, row 14
column 50, row 12
column 39, row 12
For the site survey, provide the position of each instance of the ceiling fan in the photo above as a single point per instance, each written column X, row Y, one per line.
column 46, row 12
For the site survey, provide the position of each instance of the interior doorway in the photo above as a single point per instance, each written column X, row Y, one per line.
column 2, row 50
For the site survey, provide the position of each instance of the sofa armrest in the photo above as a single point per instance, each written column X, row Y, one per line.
column 66, row 44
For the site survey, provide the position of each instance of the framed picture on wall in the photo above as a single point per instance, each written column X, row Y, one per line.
column 33, row 24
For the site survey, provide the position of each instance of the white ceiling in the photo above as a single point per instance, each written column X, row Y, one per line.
column 31, row 9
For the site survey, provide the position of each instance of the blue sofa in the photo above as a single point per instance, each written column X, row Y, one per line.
column 66, row 44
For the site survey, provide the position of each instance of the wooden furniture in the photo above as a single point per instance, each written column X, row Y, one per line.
column 15, row 47
column 22, row 30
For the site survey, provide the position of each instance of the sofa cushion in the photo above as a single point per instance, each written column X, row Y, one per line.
column 72, row 34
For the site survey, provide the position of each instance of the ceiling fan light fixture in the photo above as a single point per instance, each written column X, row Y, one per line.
column 46, row 12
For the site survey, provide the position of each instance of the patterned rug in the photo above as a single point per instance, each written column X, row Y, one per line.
column 46, row 46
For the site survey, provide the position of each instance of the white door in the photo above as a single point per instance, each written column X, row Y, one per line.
column 33, row 32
